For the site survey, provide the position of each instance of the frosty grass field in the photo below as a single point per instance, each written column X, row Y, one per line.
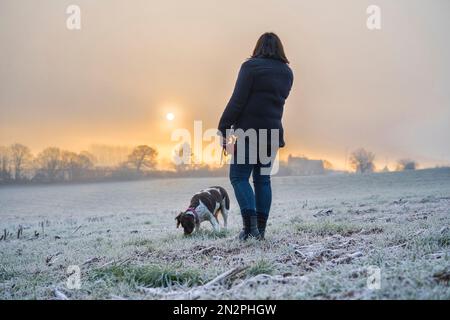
column 324, row 234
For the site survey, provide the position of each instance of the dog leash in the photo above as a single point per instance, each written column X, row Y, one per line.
column 223, row 153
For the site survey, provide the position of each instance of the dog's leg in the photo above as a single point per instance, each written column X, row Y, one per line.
column 224, row 212
column 225, row 218
column 214, row 222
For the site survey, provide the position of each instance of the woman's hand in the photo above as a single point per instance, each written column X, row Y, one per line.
column 229, row 148
column 228, row 145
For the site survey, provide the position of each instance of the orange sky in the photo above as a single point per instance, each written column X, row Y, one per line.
column 114, row 81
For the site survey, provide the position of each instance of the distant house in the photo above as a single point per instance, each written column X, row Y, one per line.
column 303, row 166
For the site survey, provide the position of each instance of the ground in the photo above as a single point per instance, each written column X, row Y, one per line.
column 327, row 236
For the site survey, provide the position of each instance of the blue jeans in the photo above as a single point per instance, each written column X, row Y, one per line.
column 251, row 202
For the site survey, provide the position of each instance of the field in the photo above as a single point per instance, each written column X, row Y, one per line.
column 326, row 237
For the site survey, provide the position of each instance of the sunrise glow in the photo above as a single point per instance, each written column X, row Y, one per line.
column 170, row 116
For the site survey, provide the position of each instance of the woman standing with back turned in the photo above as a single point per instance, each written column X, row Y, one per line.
column 262, row 87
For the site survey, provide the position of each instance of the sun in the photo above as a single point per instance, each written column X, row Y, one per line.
column 170, row 116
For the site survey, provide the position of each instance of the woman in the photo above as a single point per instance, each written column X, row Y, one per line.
column 263, row 84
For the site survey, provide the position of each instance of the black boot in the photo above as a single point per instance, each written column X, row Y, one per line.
column 262, row 222
column 243, row 235
column 250, row 229
column 254, row 232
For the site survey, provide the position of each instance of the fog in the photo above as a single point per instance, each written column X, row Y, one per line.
column 113, row 81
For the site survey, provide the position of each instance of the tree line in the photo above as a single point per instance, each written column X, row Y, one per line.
column 19, row 165
column 363, row 161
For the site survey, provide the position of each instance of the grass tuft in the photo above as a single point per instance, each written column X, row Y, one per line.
column 149, row 276
column 6, row 274
column 209, row 234
column 328, row 228
column 434, row 241
column 139, row 242
column 261, row 267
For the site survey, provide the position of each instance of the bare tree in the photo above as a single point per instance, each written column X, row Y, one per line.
column 5, row 164
column 362, row 161
column 142, row 157
column 106, row 155
column 406, row 164
column 183, row 157
column 75, row 165
column 49, row 163
column 88, row 158
column 185, row 162
column 21, row 157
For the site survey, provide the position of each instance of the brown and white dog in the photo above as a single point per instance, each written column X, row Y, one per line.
column 205, row 206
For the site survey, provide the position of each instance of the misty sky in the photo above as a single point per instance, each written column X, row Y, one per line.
column 113, row 81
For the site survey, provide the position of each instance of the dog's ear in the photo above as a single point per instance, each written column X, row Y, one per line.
column 178, row 219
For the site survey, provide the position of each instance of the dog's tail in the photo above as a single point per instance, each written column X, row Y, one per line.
column 227, row 200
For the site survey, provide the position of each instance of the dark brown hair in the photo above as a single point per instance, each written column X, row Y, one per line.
column 269, row 46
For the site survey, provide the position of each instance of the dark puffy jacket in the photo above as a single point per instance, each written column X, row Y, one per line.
column 258, row 99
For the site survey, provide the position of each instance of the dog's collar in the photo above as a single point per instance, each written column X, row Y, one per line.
column 191, row 210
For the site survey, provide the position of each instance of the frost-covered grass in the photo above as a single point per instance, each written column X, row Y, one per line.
column 325, row 233
column 328, row 227
column 261, row 267
column 148, row 275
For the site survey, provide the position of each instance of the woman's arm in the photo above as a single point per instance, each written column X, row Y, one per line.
column 238, row 99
